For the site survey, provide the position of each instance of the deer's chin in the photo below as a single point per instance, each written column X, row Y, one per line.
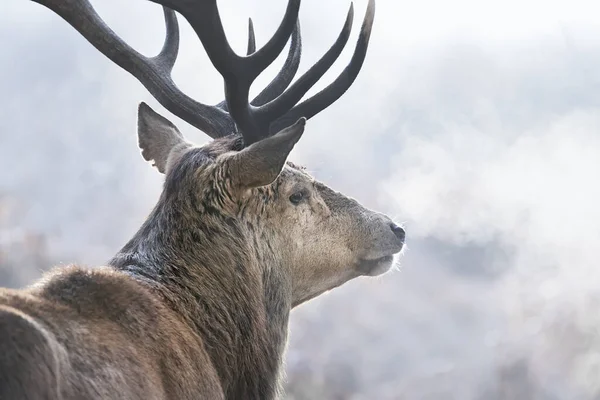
column 376, row 266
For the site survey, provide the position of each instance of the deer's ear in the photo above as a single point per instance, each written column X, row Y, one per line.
column 260, row 163
column 158, row 138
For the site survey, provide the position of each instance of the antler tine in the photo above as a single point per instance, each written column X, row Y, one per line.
column 170, row 50
column 154, row 73
column 261, row 59
column 238, row 72
column 317, row 103
column 287, row 72
column 251, row 38
column 285, row 75
column 282, row 104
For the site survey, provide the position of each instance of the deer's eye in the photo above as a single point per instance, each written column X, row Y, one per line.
column 297, row 197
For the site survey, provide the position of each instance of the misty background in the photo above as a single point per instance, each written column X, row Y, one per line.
column 476, row 124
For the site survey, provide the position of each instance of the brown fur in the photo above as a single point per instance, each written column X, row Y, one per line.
column 97, row 334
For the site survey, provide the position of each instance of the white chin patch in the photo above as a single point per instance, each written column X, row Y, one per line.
column 377, row 266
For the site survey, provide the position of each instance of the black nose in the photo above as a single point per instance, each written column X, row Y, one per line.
column 398, row 231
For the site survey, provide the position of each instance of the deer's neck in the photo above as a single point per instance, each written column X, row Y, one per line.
column 226, row 284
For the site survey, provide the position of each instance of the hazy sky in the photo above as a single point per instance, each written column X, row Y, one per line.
column 476, row 123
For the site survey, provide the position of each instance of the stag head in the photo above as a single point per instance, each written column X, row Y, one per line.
column 275, row 210
column 322, row 238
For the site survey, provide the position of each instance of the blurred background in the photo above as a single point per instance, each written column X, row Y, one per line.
column 476, row 124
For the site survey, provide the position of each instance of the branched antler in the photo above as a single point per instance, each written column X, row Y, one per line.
column 273, row 109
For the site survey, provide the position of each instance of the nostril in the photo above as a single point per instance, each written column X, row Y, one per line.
column 398, row 231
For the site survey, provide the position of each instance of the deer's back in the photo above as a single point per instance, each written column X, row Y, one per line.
column 98, row 335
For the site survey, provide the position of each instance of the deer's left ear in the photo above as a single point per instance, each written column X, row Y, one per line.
column 160, row 140
column 260, row 163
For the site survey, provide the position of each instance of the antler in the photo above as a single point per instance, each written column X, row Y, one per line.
column 285, row 75
column 326, row 97
column 274, row 108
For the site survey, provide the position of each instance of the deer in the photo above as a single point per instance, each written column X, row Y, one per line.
column 197, row 304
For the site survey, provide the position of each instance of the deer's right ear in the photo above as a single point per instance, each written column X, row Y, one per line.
column 260, row 163
column 158, row 138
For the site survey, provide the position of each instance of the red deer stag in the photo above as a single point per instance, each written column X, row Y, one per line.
column 196, row 304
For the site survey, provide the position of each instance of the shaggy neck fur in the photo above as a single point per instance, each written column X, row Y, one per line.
column 223, row 277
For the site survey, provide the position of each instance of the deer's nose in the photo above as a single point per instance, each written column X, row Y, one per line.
column 398, row 231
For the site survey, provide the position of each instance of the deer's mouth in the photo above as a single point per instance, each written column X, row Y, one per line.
column 376, row 266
